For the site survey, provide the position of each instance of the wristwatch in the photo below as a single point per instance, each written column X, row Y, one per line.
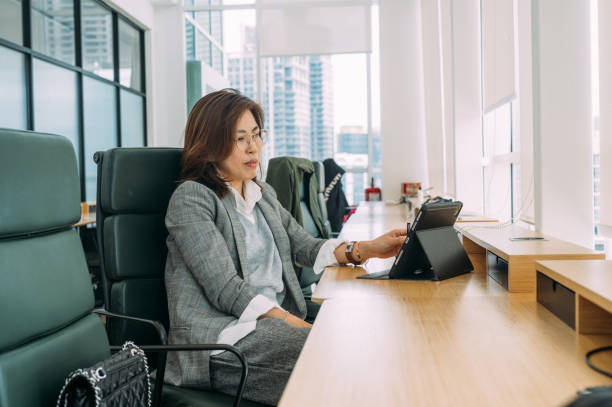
column 348, row 251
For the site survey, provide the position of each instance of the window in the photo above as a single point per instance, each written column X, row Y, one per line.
column 130, row 56
column 10, row 21
column 204, row 36
column 307, row 99
column 97, row 39
column 97, row 102
column 53, row 29
column 55, row 101
column 100, row 123
column 132, row 119
column 13, row 112
column 501, row 161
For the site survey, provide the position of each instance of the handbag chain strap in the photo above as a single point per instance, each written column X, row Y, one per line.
column 94, row 376
column 135, row 350
column 91, row 378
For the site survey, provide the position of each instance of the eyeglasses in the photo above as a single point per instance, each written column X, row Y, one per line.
column 244, row 140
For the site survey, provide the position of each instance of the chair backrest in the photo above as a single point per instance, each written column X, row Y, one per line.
column 286, row 174
column 46, row 326
column 308, row 222
column 134, row 188
column 306, row 275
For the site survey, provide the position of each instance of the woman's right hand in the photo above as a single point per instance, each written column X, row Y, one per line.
column 295, row 321
column 285, row 316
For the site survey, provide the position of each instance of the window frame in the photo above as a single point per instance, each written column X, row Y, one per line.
column 29, row 55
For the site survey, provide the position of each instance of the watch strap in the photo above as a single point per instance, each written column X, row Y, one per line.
column 349, row 253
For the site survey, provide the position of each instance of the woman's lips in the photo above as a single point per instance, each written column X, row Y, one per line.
column 251, row 164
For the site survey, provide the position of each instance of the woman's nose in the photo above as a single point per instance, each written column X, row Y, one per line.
column 252, row 146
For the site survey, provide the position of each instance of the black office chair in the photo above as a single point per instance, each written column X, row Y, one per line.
column 134, row 188
column 46, row 296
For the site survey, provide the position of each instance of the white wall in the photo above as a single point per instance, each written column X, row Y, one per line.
column 140, row 11
column 562, row 119
column 165, row 71
column 404, row 152
column 169, row 78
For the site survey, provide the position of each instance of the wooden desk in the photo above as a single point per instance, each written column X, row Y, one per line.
column 591, row 281
column 372, row 219
column 340, row 283
column 87, row 216
column 86, row 220
column 462, row 341
column 466, row 351
column 520, row 255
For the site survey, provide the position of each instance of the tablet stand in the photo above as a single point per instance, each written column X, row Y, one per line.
column 444, row 252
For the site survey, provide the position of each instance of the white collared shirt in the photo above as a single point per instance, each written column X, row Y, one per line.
column 261, row 304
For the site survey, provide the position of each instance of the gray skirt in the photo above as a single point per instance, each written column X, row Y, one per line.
column 271, row 351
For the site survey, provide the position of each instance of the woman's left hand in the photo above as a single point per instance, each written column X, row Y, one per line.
column 387, row 245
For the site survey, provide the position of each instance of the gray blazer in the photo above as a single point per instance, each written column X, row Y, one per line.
column 205, row 282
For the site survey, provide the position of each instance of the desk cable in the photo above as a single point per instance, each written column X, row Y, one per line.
column 526, row 202
column 590, row 353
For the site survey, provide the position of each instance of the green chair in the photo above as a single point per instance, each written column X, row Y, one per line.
column 46, row 326
column 46, row 297
column 134, row 188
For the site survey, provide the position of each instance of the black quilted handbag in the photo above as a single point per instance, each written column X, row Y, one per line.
column 120, row 380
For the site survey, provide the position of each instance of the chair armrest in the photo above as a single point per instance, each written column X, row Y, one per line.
column 166, row 348
column 161, row 331
column 163, row 337
column 200, row 347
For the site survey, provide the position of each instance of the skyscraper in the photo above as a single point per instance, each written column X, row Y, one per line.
column 321, row 107
column 352, row 154
column 291, row 105
column 52, row 30
column 242, row 75
column 242, row 66
column 353, row 140
column 297, row 98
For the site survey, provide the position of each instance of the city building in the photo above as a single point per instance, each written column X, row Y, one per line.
column 352, row 155
column 321, row 107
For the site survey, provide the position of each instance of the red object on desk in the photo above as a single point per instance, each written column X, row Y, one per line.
column 373, row 193
column 349, row 211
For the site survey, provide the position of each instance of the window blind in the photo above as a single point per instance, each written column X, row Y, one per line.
column 605, row 115
column 497, row 52
column 312, row 28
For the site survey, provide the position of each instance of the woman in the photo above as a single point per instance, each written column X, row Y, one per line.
column 229, row 273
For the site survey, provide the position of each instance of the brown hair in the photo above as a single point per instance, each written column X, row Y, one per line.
column 209, row 136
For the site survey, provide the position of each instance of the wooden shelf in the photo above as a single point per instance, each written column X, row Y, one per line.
column 591, row 281
column 520, row 255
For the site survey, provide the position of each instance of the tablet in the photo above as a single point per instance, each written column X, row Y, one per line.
column 431, row 250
